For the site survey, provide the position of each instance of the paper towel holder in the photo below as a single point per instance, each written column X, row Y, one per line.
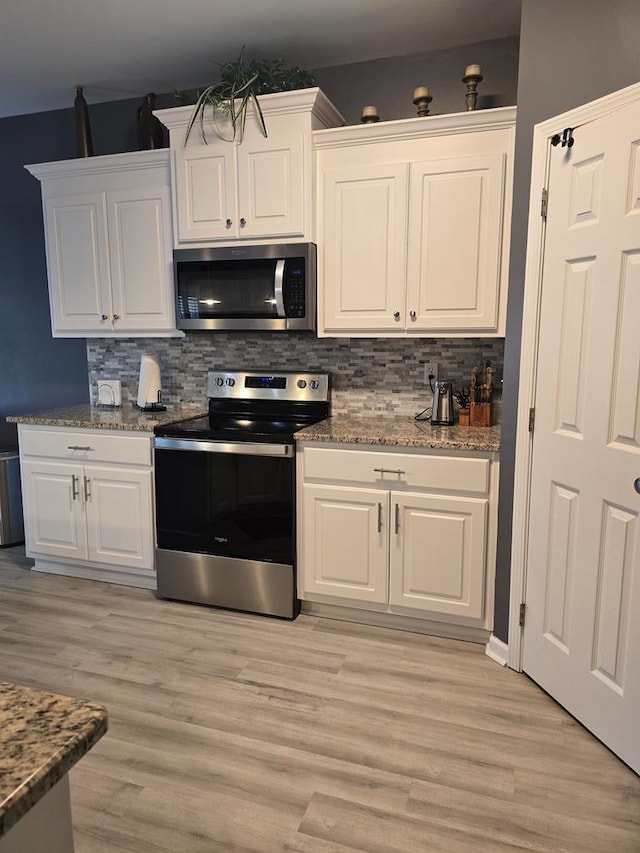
column 149, row 386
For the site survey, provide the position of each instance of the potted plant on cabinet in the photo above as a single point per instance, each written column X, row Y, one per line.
column 240, row 84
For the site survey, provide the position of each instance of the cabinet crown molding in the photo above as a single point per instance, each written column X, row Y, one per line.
column 130, row 160
column 499, row 118
column 312, row 100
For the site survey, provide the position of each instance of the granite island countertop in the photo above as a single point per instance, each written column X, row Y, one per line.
column 400, row 431
column 125, row 417
column 42, row 735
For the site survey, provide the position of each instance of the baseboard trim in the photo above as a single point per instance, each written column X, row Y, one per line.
column 400, row 623
column 497, row 650
column 99, row 573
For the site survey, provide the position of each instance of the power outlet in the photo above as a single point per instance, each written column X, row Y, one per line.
column 109, row 392
column 430, row 369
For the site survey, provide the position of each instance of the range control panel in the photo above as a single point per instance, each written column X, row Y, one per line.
column 267, row 385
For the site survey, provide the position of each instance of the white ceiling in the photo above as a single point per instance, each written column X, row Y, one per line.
column 124, row 48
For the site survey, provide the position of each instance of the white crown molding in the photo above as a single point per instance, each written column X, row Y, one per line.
column 134, row 160
column 312, row 100
column 500, row 118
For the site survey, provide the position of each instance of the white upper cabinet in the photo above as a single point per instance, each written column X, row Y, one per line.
column 109, row 245
column 260, row 188
column 414, row 220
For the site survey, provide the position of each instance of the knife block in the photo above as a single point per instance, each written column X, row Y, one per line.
column 480, row 414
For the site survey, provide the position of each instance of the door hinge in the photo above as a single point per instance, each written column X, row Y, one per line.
column 532, row 419
column 544, row 203
column 523, row 607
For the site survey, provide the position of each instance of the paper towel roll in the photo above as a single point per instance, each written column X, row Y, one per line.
column 149, row 388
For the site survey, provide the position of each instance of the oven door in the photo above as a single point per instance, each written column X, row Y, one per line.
column 225, row 524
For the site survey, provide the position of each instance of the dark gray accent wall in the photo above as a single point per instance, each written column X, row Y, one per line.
column 571, row 52
column 389, row 83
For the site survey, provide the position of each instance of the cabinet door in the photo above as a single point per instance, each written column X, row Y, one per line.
column 363, row 261
column 345, row 543
column 455, row 243
column 119, row 509
column 205, row 192
column 53, row 510
column 437, row 553
column 271, row 187
column 140, row 247
column 78, row 263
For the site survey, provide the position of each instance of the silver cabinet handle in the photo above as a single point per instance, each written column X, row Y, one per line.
column 396, row 315
column 87, row 493
column 228, row 223
column 390, row 470
column 104, row 316
column 379, row 518
column 397, row 518
column 243, row 221
column 116, row 316
column 74, row 486
column 413, row 315
column 78, row 447
column 636, row 485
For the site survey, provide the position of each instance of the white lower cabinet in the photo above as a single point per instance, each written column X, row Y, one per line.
column 345, row 542
column 398, row 532
column 85, row 519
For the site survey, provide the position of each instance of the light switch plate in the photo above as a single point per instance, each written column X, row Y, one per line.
column 109, row 392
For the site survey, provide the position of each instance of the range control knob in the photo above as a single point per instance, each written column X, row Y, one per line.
column 231, row 381
column 314, row 384
column 219, row 380
column 301, row 383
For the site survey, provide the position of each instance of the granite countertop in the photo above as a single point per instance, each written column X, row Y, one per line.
column 400, row 431
column 126, row 417
column 42, row 736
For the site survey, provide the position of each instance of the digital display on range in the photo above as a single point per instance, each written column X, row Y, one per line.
column 265, row 382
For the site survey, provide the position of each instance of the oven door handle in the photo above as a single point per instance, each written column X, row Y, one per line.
column 278, row 287
column 243, row 448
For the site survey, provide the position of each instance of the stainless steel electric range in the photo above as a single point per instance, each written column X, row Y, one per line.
column 225, row 492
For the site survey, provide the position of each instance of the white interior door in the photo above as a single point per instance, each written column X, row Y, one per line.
column 582, row 633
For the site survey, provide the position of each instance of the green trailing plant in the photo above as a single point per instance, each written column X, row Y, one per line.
column 240, row 84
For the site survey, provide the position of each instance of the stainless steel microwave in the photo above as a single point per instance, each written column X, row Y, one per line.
column 246, row 287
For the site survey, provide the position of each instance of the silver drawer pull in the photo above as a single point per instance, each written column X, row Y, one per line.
column 74, row 487
column 78, row 447
column 87, row 493
column 379, row 518
column 390, row 470
column 397, row 518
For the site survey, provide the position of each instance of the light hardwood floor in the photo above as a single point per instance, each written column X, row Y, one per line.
column 236, row 733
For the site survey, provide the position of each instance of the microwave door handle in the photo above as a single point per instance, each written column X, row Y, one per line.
column 278, row 285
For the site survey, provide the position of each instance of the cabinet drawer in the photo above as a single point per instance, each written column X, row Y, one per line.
column 434, row 472
column 85, row 445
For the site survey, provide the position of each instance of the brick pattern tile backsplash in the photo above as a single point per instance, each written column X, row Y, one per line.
column 368, row 375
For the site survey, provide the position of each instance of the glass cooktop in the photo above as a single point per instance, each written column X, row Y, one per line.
column 230, row 428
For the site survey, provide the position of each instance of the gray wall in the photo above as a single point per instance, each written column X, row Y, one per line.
column 389, row 83
column 571, row 52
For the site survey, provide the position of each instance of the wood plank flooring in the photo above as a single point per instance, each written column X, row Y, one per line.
column 231, row 733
